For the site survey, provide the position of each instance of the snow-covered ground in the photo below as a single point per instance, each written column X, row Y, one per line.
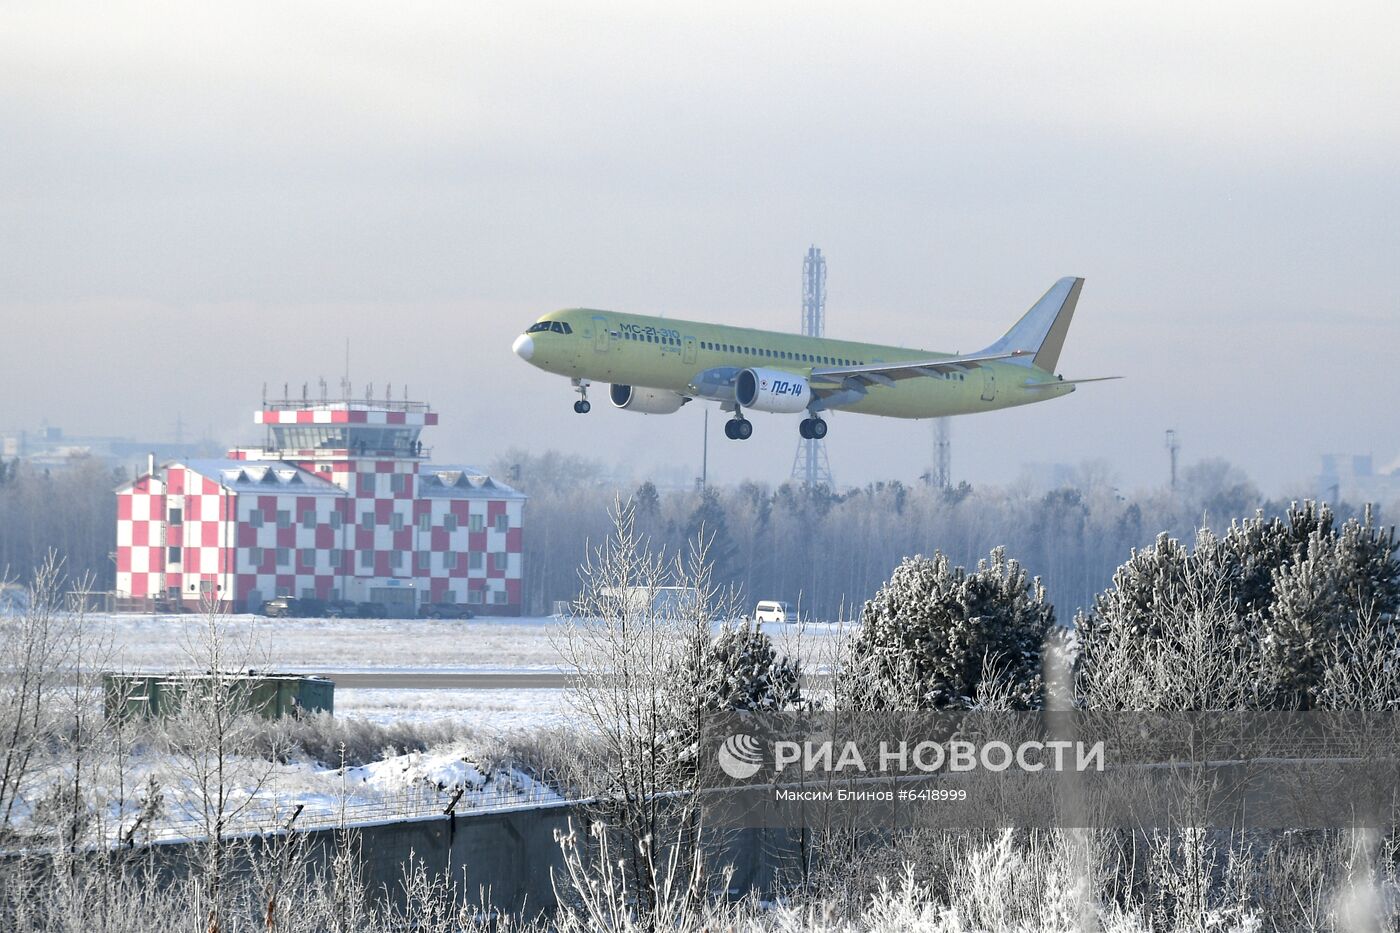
column 161, row 642
column 266, row 795
column 331, row 646
column 398, row 786
column 485, row 710
column 313, row 645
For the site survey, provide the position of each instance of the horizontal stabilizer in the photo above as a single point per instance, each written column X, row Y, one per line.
column 1067, row 382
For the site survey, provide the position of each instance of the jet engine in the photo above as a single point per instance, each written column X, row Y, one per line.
column 772, row 390
column 646, row 401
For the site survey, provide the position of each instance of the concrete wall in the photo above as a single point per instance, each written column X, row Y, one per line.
column 507, row 855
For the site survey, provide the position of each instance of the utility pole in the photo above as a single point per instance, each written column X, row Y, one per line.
column 1173, row 446
column 705, row 454
column 810, row 465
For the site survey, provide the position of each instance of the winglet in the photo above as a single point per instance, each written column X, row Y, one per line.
column 1042, row 329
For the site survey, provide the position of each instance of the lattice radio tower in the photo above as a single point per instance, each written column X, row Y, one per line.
column 810, row 464
column 942, row 454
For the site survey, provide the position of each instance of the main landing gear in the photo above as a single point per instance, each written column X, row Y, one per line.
column 812, row 429
column 738, row 428
column 582, row 406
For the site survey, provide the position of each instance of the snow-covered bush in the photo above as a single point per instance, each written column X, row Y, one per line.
column 935, row 632
column 334, row 740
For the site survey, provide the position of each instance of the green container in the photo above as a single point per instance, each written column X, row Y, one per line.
column 269, row 695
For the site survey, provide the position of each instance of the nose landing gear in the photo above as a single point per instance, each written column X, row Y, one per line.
column 582, row 406
column 812, row 429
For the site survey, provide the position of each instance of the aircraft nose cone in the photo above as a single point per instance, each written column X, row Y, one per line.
column 524, row 346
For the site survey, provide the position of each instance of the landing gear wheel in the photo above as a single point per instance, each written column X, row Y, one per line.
column 818, row 428
column 805, row 429
column 582, row 406
column 743, row 429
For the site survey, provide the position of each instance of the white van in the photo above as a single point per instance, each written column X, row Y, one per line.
column 773, row 611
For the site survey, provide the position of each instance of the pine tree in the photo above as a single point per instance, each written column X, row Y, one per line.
column 934, row 631
column 740, row 670
column 1282, row 591
column 736, row 671
column 709, row 524
column 647, row 500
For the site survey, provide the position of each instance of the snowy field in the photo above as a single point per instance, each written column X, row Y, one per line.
column 330, row 646
column 160, row 642
column 485, row 711
column 324, row 645
column 398, row 785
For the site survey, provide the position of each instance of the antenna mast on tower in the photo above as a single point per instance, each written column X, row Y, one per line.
column 810, row 465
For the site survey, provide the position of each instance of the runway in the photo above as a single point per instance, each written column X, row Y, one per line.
column 449, row 680
column 469, row 680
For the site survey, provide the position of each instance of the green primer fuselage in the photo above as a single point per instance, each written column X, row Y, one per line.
column 661, row 353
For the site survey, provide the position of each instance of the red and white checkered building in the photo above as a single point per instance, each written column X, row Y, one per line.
column 340, row 504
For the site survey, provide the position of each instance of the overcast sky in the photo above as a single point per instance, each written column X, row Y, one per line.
column 196, row 199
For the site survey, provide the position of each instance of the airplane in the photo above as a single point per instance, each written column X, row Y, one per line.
column 655, row 365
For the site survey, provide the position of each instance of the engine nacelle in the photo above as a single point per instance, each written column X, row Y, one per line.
column 646, row 401
column 772, row 390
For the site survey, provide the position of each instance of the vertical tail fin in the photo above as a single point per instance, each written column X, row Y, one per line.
column 1042, row 329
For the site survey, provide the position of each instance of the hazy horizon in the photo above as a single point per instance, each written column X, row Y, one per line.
column 198, row 203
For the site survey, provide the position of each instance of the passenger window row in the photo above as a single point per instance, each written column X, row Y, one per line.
column 779, row 354
column 652, row 338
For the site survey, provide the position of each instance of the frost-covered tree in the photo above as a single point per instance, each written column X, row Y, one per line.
column 626, row 645
column 935, row 632
column 1282, row 593
column 37, row 656
column 736, row 670
column 1334, row 579
column 1169, row 636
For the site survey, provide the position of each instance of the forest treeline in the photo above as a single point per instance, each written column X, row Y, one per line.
column 70, row 511
column 825, row 550
column 830, row 551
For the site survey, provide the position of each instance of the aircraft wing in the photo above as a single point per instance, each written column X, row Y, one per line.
column 887, row 373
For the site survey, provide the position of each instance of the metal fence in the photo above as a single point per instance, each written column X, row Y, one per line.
column 90, row 601
column 262, row 816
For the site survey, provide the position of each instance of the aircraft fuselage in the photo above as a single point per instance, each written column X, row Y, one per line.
column 675, row 356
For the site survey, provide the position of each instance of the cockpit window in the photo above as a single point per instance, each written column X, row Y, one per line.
column 556, row 327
